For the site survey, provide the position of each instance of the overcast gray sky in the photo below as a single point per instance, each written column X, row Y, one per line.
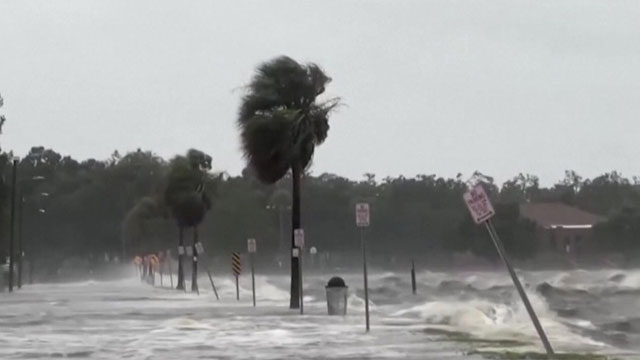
column 430, row 86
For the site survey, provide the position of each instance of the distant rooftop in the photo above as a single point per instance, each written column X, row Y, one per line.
column 555, row 215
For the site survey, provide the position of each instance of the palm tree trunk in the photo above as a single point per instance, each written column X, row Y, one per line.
column 194, row 267
column 180, row 285
column 296, row 224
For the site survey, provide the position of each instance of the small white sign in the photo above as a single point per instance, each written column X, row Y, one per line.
column 479, row 204
column 189, row 251
column 199, row 248
column 313, row 250
column 180, row 250
column 298, row 238
column 295, row 252
column 252, row 246
column 362, row 215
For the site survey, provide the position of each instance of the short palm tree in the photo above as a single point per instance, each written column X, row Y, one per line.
column 281, row 122
column 186, row 198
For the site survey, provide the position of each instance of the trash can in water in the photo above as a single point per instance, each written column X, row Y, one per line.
column 337, row 296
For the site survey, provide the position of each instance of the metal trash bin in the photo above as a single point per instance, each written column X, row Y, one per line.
column 337, row 296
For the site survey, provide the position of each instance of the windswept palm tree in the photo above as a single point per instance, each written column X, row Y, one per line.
column 281, row 122
column 188, row 201
column 133, row 224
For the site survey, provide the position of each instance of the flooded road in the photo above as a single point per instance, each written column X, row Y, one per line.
column 454, row 316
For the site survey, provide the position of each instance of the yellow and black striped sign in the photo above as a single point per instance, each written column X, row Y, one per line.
column 236, row 265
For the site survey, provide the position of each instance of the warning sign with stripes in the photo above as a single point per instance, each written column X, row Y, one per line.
column 236, row 264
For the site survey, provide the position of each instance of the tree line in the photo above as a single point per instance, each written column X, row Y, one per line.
column 84, row 209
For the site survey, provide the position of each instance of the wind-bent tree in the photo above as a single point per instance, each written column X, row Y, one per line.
column 186, row 198
column 281, row 122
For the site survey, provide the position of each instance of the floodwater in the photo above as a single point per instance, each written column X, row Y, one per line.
column 453, row 316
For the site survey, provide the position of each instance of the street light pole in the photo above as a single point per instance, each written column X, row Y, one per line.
column 13, row 221
column 20, row 239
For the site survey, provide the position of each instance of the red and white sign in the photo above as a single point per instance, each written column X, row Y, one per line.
column 479, row 204
column 298, row 238
column 362, row 215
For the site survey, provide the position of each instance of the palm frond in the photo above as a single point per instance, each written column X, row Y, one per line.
column 279, row 119
column 186, row 173
column 267, row 142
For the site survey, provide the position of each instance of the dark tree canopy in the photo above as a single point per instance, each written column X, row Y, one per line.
column 185, row 194
column 280, row 119
column 424, row 215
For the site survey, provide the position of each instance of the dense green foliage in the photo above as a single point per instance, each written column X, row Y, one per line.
column 88, row 210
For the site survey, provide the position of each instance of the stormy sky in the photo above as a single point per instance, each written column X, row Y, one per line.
column 429, row 86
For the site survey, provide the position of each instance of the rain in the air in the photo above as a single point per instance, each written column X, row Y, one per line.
column 338, row 179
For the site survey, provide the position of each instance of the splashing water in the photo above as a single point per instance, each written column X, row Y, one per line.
column 453, row 314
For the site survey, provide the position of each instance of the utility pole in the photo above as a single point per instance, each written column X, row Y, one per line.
column 12, row 226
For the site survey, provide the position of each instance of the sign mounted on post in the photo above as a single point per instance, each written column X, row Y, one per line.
column 236, row 265
column 479, row 204
column 362, row 215
column 251, row 246
column 199, row 248
column 363, row 221
column 482, row 211
column 298, row 238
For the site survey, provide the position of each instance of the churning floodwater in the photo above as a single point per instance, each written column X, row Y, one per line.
column 453, row 316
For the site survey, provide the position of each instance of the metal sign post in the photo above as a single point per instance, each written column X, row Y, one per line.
column 236, row 267
column 170, row 270
column 482, row 211
column 298, row 239
column 200, row 249
column 413, row 277
column 252, row 247
column 363, row 221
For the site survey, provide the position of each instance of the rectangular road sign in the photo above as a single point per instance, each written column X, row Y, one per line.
column 362, row 215
column 298, row 238
column 251, row 245
column 479, row 204
column 236, row 265
column 199, row 248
